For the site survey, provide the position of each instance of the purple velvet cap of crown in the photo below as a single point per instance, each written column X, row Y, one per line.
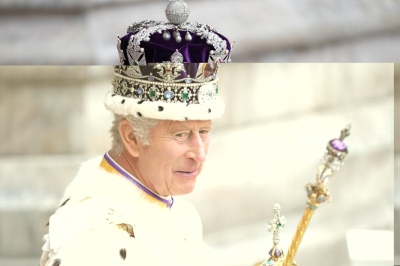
column 159, row 50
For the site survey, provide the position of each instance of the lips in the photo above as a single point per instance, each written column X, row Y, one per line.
column 187, row 173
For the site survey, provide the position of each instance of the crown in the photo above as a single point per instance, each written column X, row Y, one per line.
column 169, row 70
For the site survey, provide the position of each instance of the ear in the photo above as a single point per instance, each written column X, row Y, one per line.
column 128, row 138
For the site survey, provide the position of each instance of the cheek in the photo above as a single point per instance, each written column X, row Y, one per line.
column 169, row 157
column 165, row 158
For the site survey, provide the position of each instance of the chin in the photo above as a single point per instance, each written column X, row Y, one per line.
column 184, row 184
column 185, row 190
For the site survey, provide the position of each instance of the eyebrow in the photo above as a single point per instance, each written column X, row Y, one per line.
column 180, row 127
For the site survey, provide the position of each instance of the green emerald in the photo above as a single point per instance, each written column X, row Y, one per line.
column 153, row 93
column 216, row 90
column 185, row 95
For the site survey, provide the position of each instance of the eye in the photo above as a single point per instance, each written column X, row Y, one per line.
column 204, row 133
column 181, row 135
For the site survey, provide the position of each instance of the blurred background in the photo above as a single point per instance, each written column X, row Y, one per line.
column 397, row 163
column 40, row 32
column 268, row 145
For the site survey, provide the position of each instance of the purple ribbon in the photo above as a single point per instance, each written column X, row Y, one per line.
column 122, row 171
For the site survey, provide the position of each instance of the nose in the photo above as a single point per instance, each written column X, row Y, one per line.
column 197, row 148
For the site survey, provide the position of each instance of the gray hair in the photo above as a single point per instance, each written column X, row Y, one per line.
column 141, row 129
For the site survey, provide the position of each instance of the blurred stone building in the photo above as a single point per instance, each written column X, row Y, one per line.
column 397, row 163
column 37, row 32
column 278, row 120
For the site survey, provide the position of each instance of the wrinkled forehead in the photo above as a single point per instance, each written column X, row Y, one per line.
column 193, row 125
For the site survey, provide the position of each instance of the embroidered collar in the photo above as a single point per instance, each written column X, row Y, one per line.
column 111, row 166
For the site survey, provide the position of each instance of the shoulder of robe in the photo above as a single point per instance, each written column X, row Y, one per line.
column 91, row 233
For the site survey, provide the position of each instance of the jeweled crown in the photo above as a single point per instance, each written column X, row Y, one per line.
column 169, row 70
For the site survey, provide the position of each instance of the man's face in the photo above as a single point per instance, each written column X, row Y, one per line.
column 170, row 164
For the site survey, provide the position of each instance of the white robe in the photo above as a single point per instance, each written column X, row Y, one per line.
column 107, row 220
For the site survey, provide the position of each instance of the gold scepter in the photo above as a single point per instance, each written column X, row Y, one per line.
column 317, row 193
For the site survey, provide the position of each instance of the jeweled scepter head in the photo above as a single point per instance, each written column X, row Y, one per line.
column 318, row 192
column 336, row 152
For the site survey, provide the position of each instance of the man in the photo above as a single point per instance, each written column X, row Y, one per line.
column 122, row 209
